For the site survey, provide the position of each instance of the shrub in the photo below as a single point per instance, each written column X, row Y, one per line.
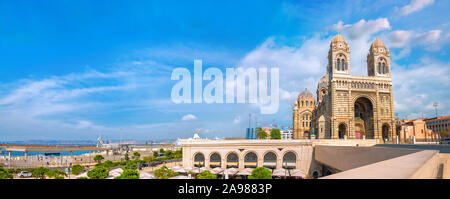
column 4, row 174
column 98, row 172
column 131, row 165
column 164, row 173
column 82, row 178
column 56, row 173
column 77, row 169
column 206, row 175
column 261, row 173
column 128, row 174
column 109, row 164
column 40, row 172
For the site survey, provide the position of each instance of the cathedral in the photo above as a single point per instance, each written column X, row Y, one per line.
column 348, row 106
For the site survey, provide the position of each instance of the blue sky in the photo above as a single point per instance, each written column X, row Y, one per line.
column 80, row 69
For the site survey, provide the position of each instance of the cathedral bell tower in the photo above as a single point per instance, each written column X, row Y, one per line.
column 378, row 60
column 338, row 57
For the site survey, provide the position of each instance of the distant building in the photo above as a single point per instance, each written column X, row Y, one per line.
column 302, row 114
column 437, row 125
column 250, row 133
column 418, row 129
column 287, row 134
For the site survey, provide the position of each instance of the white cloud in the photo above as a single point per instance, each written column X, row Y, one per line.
column 364, row 29
column 415, row 5
column 237, row 120
column 430, row 41
column 416, row 86
column 188, row 117
column 399, row 38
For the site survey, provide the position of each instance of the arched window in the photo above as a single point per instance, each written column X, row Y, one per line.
column 289, row 160
column 270, row 160
column 250, row 160
column 379, row 68
column 215, row 160
column 344, row 65
column 338, row 64
column 384, row 66
column 303, row 125
column 199, row 160
column 302, row 103
column 232, row 160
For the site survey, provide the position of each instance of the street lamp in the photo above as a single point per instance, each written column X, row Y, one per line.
column 435, row 105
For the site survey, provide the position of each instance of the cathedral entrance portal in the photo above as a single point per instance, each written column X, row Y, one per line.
column 342, row 131
column 364, row 114
column 306, row 135
column 385, row 132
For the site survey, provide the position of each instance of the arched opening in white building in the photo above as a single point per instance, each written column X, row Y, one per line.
column 199, row 160
column 289, row 160
column 270, row 160
column 232, row 160
column 250, row 160
column 215, row 160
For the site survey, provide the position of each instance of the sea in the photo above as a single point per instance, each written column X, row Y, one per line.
column 31, row 153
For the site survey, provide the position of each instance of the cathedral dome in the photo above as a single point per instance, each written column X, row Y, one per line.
column 323, row 81
column 377, row 43
column 338, row 38
column 306, row 95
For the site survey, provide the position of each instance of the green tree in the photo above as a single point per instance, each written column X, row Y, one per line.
column 98, row 172
column 149, row 159
column 136, row 155
column 169, row 154
column 108, row 164
column 4, row 173
column 261, row 173
column 261, row 134
column 128, row 174
column 126, row 157
column 178, row 154
column 131, row 165
column 98, row 158
column 164, row 173
column 161, row 151
column 40, row 172
column 56, row 173
column 77, row 169
column 206, row 175
column 155, row 154
column 275, row 134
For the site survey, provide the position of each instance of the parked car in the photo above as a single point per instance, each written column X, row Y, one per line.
column 24, row 174
column 445, row 141
column 143, row 165
column 155, row 163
